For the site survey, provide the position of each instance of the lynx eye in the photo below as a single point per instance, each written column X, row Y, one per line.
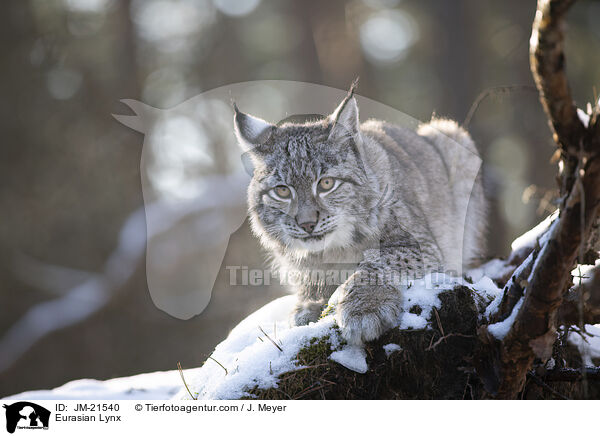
column 282, row 192
column 326, row 184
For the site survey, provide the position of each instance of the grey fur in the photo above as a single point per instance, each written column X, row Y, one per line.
column 408, row 203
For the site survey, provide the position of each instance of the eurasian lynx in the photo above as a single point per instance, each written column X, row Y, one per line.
column 331, row 191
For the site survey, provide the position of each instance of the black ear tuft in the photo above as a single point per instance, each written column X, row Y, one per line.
column 250, row 131
column 353, row 87
column 345, row 118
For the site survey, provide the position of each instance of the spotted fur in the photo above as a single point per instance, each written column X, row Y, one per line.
column 406, row 203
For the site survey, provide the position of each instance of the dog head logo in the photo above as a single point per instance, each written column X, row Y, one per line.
column 26, row 415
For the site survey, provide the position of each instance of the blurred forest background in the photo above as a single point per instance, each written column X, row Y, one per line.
column 70, row 174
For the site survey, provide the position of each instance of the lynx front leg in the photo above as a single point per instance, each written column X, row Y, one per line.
column 366, row 310
column 305, row 312
column 312, row 299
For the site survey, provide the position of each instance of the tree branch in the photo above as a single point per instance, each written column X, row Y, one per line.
column 547, row 62
column 570, row 374
column 533, row 331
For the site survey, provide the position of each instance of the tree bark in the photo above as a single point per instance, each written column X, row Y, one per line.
column 534, row 329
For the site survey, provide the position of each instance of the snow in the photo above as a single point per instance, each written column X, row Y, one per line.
column 492, row 308
column 589, row 348
column 252, row 362
column 424, row 294
column 529, row 238
column 495, row 268
column 486, row 286
column 152, row 386
column 589, row 345
column 412, row 321
column 391, row 348
column 352, row 357
column 583, row 273
column 261, row 348
column 500, row 329
column 251, row 359
column 583, row 117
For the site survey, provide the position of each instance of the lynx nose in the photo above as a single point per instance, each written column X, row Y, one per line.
column 308, row 222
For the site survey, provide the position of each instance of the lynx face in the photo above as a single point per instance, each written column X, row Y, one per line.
column 387, row 200
column 303, row 192
column 309, row 191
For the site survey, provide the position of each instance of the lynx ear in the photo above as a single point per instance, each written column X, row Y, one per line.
column 250, row 131
column 345, row 118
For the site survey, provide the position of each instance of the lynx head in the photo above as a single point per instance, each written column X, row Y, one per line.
column 310, row 189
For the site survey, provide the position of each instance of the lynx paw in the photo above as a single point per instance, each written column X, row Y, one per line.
column 363, row 320
column 306, row 312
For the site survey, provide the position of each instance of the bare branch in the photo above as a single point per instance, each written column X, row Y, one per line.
column 571, row 374
column 547, row 62
column 533, row 331
column 537, row 380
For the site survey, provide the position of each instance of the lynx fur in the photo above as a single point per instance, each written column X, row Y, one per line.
column 382, row 200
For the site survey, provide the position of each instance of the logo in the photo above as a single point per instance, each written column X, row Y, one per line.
column 26, row 415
